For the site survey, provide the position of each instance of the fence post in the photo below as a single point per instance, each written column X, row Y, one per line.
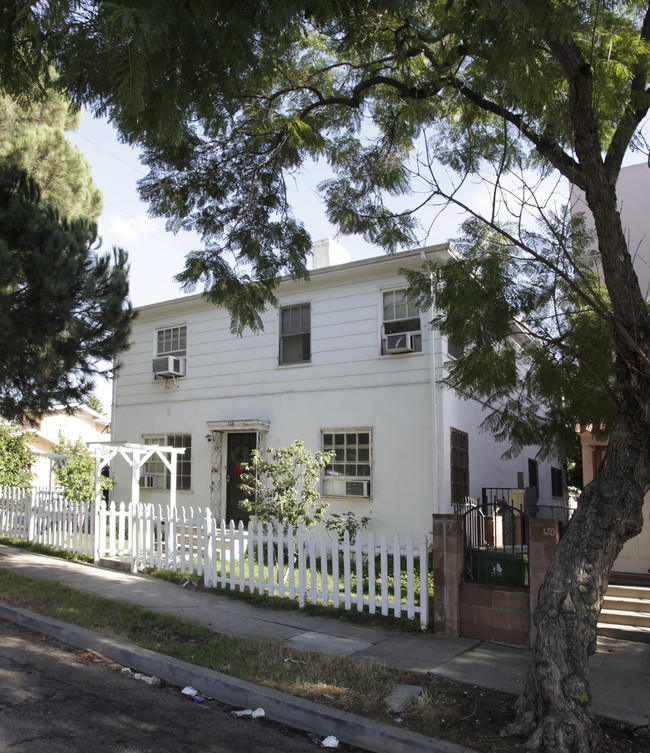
column 29, row 512
column 208, row 552
column 302, row 574
column 448, row 553
column 424, row 583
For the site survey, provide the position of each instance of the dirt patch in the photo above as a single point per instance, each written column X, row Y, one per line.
column 471, row 716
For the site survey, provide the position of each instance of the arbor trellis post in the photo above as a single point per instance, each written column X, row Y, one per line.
column 135, row 455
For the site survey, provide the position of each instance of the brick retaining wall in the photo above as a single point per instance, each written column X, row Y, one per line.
column 499, row 614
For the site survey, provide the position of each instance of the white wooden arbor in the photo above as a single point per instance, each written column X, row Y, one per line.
column 135, row 455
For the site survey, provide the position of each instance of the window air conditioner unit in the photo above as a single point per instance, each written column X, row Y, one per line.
column 399, row 343
column 152, row 481
column 357, row 488
column 168, row 366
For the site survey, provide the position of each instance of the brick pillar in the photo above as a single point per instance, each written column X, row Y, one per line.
column 544, row 538
column 448, row 553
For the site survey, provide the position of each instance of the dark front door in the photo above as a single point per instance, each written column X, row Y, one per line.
column 240, row 447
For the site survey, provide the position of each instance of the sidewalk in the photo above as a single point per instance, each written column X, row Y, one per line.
column 620, row 670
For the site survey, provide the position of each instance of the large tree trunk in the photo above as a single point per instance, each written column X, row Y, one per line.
column 554, row 710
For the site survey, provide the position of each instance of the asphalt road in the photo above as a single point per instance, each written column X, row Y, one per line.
column 55, row 699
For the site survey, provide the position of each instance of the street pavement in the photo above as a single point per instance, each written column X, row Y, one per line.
column 58, row 699
column 619, row 676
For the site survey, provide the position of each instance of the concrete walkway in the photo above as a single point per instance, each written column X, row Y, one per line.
column 620, row 670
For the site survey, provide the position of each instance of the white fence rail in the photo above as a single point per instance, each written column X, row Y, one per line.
column 387, row 577
column 312, row 567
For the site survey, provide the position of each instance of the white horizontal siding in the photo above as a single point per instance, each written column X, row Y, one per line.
column 345, row 344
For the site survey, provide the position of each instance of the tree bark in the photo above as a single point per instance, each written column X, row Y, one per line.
column 554, row 710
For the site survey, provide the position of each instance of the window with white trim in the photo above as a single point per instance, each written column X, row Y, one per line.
column 156, row 475
column 295, row 334
column 171, row 341
column 401, row 327
column 349, row 473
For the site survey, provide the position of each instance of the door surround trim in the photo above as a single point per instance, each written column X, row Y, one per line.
column 218, row 430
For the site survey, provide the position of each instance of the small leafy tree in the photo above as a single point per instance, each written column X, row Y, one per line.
column 16, row 456
column 77, row 476
column 282, row 485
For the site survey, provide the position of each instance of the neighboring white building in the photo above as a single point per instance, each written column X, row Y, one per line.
column 81, row 422
column 345, row 364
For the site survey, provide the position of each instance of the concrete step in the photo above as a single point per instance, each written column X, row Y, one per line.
column 624, row 617
column 116, row 563
column 624, row 632
column 638, row 593
column 626, row 613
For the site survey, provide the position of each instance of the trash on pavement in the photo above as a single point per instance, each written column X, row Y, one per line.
column 194, row 694
column 148, row 679
column 254, row 714
column 330, row 742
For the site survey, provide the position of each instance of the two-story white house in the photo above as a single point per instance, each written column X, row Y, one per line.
column 346, row 363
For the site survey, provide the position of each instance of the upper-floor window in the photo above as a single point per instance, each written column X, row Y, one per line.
column 156, row 475
column 401, row 323
column 348, row 475
column 295, row 334
column 171, row 341
column 459, row 465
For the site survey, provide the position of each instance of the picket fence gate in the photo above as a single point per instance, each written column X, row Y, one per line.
column 311, row 566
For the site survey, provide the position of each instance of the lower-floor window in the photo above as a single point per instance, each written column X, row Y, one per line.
column 156, row 475
column 349, row 473
column 459, row 465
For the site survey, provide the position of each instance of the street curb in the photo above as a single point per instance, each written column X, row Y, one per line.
column 279, row 707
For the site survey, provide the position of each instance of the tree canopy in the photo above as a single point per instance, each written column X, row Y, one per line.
column 64, row 309
column 33, row 138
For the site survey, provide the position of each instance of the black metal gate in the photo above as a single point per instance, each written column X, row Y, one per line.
column 496, row 541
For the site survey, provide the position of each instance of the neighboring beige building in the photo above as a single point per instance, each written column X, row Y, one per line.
column 83, row 423
column 635, row 557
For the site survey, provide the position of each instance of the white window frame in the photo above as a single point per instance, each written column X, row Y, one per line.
column 156, row 468
column 300, row 332
column 398, row 325
column 181, row 339
column 350, row 473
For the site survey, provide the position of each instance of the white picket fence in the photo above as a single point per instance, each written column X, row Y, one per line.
column 47, row 517
column 311, row 566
